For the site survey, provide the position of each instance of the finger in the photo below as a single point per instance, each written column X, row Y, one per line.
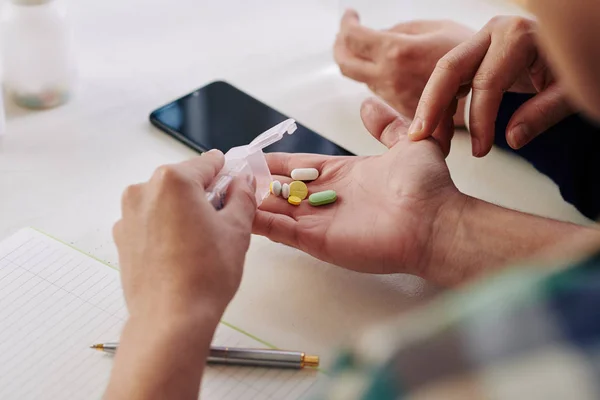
column 445, row 130
column 284, row 163
column 131, row 199
column 276, row 227
column 498, row 71
column 240, row 204
column 359, row 40
column 383, row 122
column 540, row 74
column 350, row 64
column 279, row 205
column 537, row 116
column 452, row 71
column 203, row 169
column 355, row 68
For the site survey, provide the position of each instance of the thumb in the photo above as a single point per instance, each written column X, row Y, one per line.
column 383, row 122
column 537, row 115
column 240, row 204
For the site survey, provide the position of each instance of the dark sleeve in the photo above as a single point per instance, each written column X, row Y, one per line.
column 568, row 153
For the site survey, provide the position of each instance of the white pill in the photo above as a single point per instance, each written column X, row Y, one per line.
column 285, row 191
column 276, row 188
column 305, row 174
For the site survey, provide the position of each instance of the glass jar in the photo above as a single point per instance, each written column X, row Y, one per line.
column 37, row 52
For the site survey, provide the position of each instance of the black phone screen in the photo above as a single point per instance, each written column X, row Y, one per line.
column 220, row 116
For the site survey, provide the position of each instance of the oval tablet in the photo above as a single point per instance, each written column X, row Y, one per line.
column 285, row 191
column 322, row 198
column 294, row 200
column 299, row 189
column 276, row 188
column 305, row 174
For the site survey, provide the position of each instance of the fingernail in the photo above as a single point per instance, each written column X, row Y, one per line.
column 476, row 147
column 416, row 127
column 213, row 151
column 518, row 136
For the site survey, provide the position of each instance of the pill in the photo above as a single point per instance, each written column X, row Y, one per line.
column 275, row 188
column 298, row 189
column 322, row 198
column 305, row 174
column 285, row 191
column 294, row 200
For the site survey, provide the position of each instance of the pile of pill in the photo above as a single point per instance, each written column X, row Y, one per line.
column 297, row 191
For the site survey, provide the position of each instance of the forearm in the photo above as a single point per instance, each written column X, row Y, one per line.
column 162, row 360
column 477, row 238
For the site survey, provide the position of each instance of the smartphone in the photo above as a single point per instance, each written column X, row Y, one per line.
column 220, row 116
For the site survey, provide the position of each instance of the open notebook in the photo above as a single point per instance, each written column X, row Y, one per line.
column 55, row 301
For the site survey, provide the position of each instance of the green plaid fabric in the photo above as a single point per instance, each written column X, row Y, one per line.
column 525, row 334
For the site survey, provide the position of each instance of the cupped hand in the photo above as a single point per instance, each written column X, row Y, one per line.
column 503, row 56
column 396, row 63
column 389, row 207
column 177, row 254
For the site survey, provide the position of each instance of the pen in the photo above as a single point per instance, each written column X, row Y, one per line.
column 244, row 357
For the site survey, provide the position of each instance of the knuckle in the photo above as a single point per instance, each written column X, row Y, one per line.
column 427, row 101
column 130, row 194
column 269, row 226
column 249, row 198
column 343, row 67
column 351, row 37
column 393, row 129
column 398, row 52
column 486, row 80
column 168, row 175
column 247, row 203
column 448, row 63
column 543, row 114
column 497, row 20
column 518, row 26
column 116, row 230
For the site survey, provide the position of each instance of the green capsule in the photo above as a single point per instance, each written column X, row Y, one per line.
column 322, row 198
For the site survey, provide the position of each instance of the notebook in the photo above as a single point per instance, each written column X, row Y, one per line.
column 56, row 301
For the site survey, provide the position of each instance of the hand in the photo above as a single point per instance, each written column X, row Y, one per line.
column 387, row 216
column 503, row 56
column 176, row 252
column 396, row 63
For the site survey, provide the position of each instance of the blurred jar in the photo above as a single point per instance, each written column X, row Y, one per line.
column 37, row 52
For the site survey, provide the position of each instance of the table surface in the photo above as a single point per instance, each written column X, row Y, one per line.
column 63, row 170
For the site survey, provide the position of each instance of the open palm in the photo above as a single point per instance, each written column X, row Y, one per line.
column 387, row 207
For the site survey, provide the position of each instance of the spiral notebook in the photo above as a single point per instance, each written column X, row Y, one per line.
column 55, row 301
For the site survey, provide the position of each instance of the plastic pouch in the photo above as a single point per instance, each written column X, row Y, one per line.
column 248, row 160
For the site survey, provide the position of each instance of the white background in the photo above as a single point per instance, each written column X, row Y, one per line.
column 63, row 170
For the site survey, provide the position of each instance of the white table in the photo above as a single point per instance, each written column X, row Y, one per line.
column 63, row 170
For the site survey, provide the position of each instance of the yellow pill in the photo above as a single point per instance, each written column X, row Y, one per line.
column 294, row 200
column 299, row 189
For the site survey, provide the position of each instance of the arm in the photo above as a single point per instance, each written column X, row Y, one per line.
column 181, row 264
column 476, row 238
column 400, row 212
column 162, row 359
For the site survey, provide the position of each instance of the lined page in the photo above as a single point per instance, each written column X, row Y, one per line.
column 56, row 301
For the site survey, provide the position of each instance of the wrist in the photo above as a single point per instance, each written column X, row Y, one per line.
column 438, row 266
column 162, row 357
column 473, row 237
column 169, row 320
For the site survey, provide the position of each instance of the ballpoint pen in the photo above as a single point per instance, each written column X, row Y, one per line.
column 244, row 357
